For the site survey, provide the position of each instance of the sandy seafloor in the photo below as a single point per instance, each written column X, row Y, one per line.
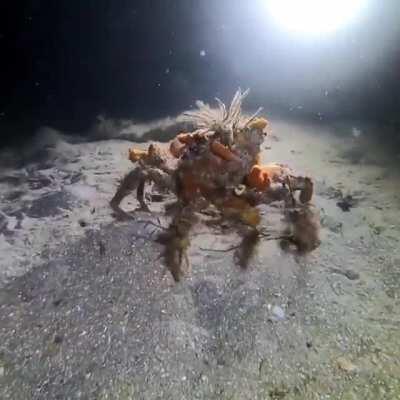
column 87, row 311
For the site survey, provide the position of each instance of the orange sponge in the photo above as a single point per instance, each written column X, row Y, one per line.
column 258, row 178
column 222, row 151
column 136, row 154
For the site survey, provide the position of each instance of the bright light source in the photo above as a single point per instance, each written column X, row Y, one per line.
column 314, row 16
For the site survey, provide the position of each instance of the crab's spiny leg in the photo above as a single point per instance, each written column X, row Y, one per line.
column 187, row 261
column 140, row 194
column 128, row 184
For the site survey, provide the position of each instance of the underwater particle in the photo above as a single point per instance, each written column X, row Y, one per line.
column 167, row 71
column 355, row 132
column 202, row 53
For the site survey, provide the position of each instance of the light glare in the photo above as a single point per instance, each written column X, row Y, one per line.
column 314, row 16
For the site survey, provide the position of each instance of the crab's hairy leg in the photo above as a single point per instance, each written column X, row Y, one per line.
column 177, row 241
column 180, row 258
column 128, row 184
column 172, row 259
column 288, row 182
column 247, row 247
column 162, row 179
column 187, row 262
column 140, row 195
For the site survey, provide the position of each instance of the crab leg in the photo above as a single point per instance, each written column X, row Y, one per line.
column 133, row 180
column 304, row 184
column 140, row 196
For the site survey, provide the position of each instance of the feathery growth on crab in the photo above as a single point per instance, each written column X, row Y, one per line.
column 217, row 167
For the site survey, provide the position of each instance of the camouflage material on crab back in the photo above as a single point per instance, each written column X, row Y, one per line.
column 243, row 136
column 229, row 124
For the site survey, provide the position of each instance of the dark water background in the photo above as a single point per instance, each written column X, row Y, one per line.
column 64, row 63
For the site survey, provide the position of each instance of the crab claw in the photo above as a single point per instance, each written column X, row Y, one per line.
column 306, row 187
column 307, row 191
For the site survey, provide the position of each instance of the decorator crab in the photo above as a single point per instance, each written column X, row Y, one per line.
column 215, row 170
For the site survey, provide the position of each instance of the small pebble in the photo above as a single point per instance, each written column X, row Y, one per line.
column 346, row 365
column 278, row 312
column 102, row 248
column 352, row 275
column 57, row 302
column 58, row 339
